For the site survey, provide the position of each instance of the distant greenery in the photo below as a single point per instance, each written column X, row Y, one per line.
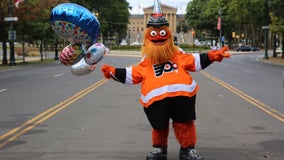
column 33, row 25
column 244, row 17
column 133, row 48
column 185, row 47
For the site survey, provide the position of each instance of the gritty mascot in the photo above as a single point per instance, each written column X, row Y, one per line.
column 167, row 89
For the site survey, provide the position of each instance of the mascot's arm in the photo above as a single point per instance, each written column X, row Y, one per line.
column 118, row 74
column 204, row 60
column 197, row 62
column 218, row 55
column 129, row 75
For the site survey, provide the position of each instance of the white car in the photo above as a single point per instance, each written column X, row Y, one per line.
column 136, row 44
column 214, row 47
column 123, row 43
column 279, row 50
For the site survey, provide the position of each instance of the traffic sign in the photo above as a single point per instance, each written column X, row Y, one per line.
column 10, row 19
column 265, row 27
column 12, row 35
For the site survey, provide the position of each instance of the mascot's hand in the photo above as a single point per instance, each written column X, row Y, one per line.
column 92, row 67
column 108, row 71
column 218, row 55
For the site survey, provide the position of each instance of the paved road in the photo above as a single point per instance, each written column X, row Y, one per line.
column 259, row 80
column 47, row 113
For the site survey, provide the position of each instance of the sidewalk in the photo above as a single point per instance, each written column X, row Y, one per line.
column 275, row 61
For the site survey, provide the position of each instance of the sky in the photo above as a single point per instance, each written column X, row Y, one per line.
column 138, row 5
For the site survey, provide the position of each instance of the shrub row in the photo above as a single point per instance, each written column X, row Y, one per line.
column 185, row 47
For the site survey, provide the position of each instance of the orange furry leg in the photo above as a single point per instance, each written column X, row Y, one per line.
column 160, row 137
column 185, row 134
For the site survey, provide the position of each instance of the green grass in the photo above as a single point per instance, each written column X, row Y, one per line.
column 19, row 62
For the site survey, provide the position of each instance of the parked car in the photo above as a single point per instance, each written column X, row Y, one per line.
column 135, row 44
column 123, row 43
column 214, row 47
column 176, row 41
column 279, row 50
column 246, row 48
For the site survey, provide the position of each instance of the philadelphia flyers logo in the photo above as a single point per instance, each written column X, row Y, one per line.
column 160, row 69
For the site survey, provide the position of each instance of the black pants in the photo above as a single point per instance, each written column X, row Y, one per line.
column 179, row 109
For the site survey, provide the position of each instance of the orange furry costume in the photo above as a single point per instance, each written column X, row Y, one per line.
column 167, row 89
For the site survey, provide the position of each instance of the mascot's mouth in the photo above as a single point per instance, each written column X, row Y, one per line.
column 159, row 42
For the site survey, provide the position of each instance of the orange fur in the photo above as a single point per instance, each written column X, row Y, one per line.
column 160, row 137
column 185, row 133
column 158, row 53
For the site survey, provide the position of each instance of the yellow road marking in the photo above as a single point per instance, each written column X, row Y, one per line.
column 18, row 131
column 274, row 113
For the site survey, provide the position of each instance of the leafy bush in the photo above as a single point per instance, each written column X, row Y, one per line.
column 185, row 47
column 188, row 47
column 133, row 48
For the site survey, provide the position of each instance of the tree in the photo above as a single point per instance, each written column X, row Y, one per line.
column 194, row 13
column 237, row 16
column 113, row 16
column 33, row 23
column 277, row 20
column 182, row 27
column 197, row 19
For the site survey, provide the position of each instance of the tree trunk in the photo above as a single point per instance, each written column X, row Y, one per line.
column 282, row 42
column 4, row 60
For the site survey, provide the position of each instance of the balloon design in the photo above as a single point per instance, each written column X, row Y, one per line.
column 71, row 54
column 75, row 23
column 81, row 68
column 107, row 51
column 95, row 53
column 79, row 26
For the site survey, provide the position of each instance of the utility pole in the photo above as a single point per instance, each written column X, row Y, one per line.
column 266, row 30
column 220, row 31
column 12, row 33
column 56, row 48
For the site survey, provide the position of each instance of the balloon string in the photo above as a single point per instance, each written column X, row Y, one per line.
column 114, row 77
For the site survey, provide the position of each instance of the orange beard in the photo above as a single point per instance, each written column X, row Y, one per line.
column 159, row 53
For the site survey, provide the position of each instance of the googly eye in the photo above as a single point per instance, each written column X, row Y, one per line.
column 153, row 33
column 163, row 33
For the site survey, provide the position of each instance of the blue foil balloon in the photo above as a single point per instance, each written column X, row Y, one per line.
column 75, row 23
